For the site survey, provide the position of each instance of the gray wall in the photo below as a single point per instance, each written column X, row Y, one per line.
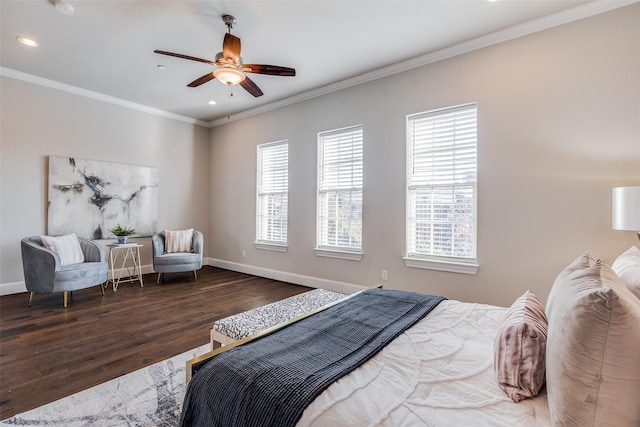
column 559, row 126
column 38, row 121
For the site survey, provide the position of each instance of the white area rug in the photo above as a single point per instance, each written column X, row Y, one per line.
column 150, row 396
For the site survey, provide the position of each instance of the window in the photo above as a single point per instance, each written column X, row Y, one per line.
column 339, row 210
column 442, row 189
column 272, row 195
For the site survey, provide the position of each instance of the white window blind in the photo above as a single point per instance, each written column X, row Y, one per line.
column 339, row 221
column 272, row 192
column 442, row 184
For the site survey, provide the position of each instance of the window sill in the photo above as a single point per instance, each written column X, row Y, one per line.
column 340, row 254
column 278, row 247
column 440, row 265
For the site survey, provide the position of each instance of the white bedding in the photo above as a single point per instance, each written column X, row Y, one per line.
column 438, row 373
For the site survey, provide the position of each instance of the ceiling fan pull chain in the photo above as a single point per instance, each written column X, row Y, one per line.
column 229, row 102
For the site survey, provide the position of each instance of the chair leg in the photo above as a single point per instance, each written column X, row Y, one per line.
column 195, row 274
column 158, row 279
column 31, row 298
column 66, row 298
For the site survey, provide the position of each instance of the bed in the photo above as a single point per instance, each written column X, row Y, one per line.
column 438, row 373
column 444, row 368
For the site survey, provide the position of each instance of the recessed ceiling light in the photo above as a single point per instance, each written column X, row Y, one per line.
column 27, row 41
column 161, row 67
column 212, row 102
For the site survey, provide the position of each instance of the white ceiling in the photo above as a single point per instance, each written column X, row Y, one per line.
column 107, row 46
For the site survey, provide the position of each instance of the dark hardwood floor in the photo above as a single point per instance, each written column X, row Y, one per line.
column 48, row 352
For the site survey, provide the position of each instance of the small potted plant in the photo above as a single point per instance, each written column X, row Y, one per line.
column 122, row 233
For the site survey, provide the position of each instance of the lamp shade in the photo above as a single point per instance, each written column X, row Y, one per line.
column 626, row 208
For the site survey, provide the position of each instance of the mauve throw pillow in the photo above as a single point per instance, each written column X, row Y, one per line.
column 593, row 350
column 627, row 267
column 520, row 348
column 178, row 240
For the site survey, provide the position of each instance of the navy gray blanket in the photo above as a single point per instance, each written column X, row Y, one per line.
column 270, row 381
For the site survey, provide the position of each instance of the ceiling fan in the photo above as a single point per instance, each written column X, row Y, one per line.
column 229, row 68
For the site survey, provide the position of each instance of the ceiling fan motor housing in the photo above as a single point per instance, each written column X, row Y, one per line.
column 229, row 21
column 220, row 60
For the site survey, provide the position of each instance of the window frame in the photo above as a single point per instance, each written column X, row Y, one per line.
column 433, row 261
column 323, row 247
column 262, row 241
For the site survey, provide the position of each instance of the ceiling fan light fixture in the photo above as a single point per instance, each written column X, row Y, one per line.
column 229, row 75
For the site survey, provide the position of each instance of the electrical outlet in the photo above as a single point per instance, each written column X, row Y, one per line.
column 244, row 253
column 384, row 275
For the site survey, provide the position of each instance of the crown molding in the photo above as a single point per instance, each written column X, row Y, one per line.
column 30, row 78
column 521, row 30
column 544, row 23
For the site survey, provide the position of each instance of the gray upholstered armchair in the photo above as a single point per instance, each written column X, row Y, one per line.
column 174, row 262
column 44, row 273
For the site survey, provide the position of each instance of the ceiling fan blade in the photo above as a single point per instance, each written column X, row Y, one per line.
column 179, row 55
column 231, row 47
column 251, row 87
column 272, row 70
column 202, row 80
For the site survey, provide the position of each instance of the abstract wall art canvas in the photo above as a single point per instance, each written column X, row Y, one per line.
column 89, row 197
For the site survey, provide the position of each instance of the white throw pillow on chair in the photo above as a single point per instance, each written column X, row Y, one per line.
column 67, row 247
column 178, row 240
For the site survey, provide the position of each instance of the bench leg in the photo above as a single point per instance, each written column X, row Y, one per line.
column 215, row 344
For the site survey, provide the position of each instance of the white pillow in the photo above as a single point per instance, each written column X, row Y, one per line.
column 580, row 263
column 67, row 247
column 627, row 267
column 178, row 240
column 593, row 349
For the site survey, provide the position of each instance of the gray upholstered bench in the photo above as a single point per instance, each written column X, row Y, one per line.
column 241, row 325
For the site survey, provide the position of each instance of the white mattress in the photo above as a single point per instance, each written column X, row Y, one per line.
column 438, row 373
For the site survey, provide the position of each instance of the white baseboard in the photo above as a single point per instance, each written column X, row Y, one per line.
column 298, row 279
column 146, row 269
column 12, row 288
column 19, row 287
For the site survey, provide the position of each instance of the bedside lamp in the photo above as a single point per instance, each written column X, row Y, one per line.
column 626, row 209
